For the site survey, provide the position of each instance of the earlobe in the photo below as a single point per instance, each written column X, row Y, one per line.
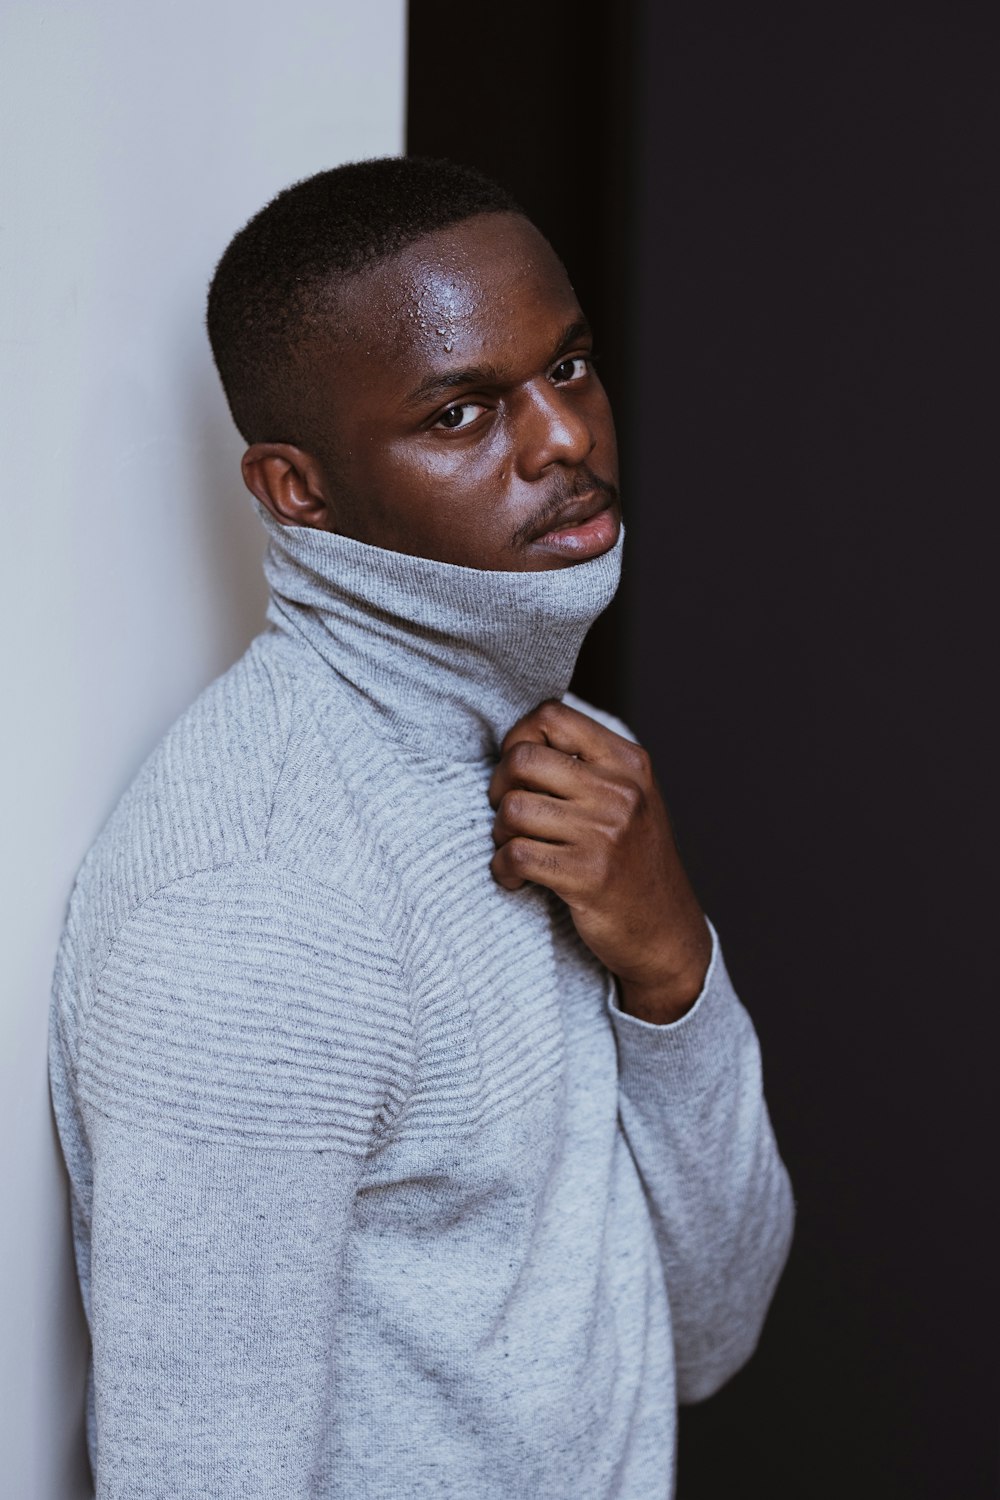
column 288, row 482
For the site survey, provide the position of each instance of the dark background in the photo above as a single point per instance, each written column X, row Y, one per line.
column 784, row 227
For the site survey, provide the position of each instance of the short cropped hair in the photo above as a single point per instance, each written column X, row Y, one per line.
column 272, row 299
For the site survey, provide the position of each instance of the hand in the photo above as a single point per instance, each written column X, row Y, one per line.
column 578, row 811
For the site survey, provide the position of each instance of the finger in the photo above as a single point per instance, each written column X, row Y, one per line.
column 555, row 724
column 522, row 859
column 531, row 815
column 538, row 768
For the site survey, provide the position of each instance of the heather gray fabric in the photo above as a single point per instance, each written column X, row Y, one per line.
column 375, row 1191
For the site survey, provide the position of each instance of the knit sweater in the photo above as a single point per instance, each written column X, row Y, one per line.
column 376, row 1191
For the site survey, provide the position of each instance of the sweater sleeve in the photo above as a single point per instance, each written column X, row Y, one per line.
column 248, row 1044
column 692, row 1109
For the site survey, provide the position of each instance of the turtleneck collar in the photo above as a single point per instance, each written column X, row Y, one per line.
column 447, row 658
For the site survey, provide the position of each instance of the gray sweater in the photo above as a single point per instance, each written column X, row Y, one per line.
column 376, row 1191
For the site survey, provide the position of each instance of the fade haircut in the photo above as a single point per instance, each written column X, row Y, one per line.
column 272, row 303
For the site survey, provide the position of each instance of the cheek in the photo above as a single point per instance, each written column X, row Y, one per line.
column 609, row 445
column 451, row 471
column 602, row 422
column 443, row 500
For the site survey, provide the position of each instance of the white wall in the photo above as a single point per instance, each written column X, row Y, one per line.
column 136, row 138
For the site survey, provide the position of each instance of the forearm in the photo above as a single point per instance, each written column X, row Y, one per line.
column 693, row 1111
column 213, row 1322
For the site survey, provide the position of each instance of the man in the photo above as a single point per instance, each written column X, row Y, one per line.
column 416, row 1134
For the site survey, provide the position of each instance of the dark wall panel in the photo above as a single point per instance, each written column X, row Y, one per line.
column 808, row 651
column 785, row 230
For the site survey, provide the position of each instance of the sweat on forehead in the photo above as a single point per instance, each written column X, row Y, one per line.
column 448, row 285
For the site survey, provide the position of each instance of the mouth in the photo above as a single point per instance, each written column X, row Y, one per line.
column 587, row 526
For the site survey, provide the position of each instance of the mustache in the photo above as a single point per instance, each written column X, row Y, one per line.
column 583, row 482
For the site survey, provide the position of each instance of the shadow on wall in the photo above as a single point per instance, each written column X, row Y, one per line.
column 233, row 537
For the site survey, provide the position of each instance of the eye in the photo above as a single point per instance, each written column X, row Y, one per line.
column 572, row 369
column 461, row 415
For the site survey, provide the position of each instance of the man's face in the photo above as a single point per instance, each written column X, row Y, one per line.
column 468, row 422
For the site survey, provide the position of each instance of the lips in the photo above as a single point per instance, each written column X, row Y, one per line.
column 577, row 511
column 583, row 530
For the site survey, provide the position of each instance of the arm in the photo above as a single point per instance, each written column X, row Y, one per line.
column 578, row 811
column 248, row 1042
column 692, row 1109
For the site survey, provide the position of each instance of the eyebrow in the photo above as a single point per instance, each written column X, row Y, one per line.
column 451, row 380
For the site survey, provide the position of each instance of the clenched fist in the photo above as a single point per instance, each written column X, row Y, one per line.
column 578, row 810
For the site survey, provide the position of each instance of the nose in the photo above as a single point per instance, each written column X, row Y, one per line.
column 553, row 428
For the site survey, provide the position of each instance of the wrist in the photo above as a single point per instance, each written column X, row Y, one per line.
column 658, row 1004
column 667, row 991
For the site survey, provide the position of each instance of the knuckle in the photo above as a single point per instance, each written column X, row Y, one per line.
column 636, row 799
column 629, row 797
column 521, row 756
column 639, row 759
column 614, row 834
column 512, row 807
column 519, row 853
column 549, row 712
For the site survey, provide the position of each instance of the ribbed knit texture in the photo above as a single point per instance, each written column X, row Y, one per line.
column 376, row 1192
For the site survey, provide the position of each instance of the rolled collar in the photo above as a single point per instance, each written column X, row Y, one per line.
column 445, row 657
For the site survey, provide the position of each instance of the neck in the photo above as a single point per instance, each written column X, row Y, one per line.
column 446, row 658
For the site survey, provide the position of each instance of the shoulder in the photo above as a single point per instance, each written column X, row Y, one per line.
column 608, row 720
column 199, row 800
column 248, row 1004
column 230, row 737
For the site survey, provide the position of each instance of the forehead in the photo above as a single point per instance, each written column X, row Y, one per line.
column 490, row 287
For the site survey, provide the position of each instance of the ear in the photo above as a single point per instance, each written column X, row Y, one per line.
column 289, row 482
